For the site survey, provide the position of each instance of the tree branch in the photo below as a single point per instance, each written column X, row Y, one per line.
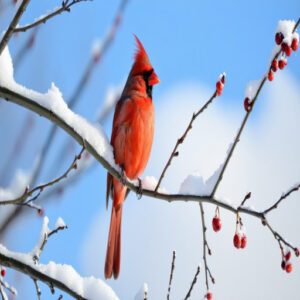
column 205, row 247
column 237, row 138
column 35, row 273
column 40, row 188
column 188, row 295
column 175, row 153
column 65, row 7
column 283, row 196
column 171, row 274
column 8, row 34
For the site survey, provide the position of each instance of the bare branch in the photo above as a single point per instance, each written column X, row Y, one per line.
column 65, row 7
column 278, row 237
column 2, row 293
column 40, row 188
column 37, row 288
column 9, row 288
column 283, row 196
column 171, row 274
column 205, row 248
column 8, row 34
column 175, row 152
column 188, row 295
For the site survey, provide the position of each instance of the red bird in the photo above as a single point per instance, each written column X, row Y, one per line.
column 131, row 138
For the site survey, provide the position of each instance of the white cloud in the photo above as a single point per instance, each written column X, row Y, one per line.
column 266, row 163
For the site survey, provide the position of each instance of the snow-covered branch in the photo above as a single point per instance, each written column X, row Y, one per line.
column 63, row 277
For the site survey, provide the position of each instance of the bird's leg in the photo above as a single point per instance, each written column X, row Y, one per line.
column 123, row 176
column 139, row 191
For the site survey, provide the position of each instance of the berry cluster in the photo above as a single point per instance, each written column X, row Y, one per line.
column 3, row 271
column 209, row 296
column 220, row 84
column 286, row 265
column 288, row 44
column 216, row 221
column 239, row 238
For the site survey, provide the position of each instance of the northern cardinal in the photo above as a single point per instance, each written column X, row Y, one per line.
column 131, row 138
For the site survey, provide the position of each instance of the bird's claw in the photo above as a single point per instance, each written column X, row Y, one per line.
column 139, row 191
column 123, row 176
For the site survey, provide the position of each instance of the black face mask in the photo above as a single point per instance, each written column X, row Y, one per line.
column 146, row 76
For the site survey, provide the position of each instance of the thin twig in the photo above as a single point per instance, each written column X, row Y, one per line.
column 171, row 274
column 37, row 288
column 175, row 153
column 9, row 288
column 277, row 236
column 247, row 196
column 56, row 230
column 40, row 188
column 193, row 283
column 284, row 196
column 65, row 7
column 205, row 248
column 237, row 138
column 2, row 293
column 8, row 34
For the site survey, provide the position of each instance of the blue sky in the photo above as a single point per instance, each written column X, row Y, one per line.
column 187, row 41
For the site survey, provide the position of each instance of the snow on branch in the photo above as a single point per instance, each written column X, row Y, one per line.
column 52, row 106
column 63, row 277
column 65, row 7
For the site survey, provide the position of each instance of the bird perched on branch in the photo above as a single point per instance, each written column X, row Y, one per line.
column 132, row 136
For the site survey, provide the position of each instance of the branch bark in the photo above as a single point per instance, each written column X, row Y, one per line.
column 8, row 34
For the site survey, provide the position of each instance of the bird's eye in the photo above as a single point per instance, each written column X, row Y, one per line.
column 147, row 74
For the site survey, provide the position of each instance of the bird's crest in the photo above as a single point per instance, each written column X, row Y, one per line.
column 141, row 59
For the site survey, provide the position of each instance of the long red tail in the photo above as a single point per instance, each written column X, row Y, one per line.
column 113, row 252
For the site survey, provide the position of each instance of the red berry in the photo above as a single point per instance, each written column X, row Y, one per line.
column 216, row 224
column 219, row 92
column 247, row 104
column 243, row 241
column 41, row 212
column 283, row 264
column 289, row 268
column 278, row 38
column 237, row 242
column 219, row 86
column 3, row 272
column 288, row 256
column 281, row 64
column 294, row 44
column 297, row 252
column 209, row 296
column 286, row 49
column 270, row 75
column 274, row 65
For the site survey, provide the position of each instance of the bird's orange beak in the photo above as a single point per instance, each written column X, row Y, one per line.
column 153, row 79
